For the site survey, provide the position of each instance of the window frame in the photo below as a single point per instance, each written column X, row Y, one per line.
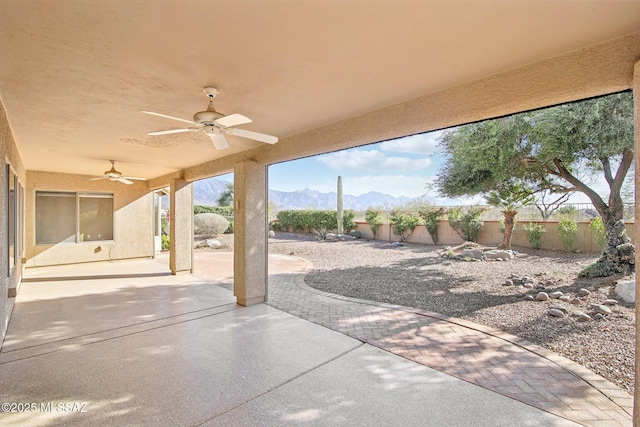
column 78, row 238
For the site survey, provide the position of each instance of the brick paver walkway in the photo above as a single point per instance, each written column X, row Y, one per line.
column 489, row 358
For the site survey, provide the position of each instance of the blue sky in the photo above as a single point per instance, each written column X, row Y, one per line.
column 401, row 167
column 405, row 166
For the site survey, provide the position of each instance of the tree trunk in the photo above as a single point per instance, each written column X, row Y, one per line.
column 509, row 222
column 618, row 255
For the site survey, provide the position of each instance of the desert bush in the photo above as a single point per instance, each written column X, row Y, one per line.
column 403, row 222
column 225, row 211
column 431, row 216
column 166, row 242
column 597, row 231
column 568, row 233
column 321, row 222
column 372, row 216
column 534, row 233
column 209, row 224
column 466, row 223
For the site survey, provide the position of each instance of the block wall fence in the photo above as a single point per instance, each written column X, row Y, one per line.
column 490, row 235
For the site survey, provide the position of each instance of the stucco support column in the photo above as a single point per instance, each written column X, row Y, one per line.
column 181, row 227
column 250, row 233
column 636, row 125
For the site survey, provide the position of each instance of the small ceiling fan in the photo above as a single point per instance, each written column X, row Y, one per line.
column 114, row 175
column 213, row 124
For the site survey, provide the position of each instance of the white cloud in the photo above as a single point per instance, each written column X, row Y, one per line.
column 371, row 160
column 424, row 144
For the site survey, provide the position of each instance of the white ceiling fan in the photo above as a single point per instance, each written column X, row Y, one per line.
column 213, row 124
column 114, row 175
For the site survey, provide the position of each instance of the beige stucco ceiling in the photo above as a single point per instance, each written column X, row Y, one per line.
column 75, row 74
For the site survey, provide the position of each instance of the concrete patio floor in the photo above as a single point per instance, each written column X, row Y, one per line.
column 128, row 344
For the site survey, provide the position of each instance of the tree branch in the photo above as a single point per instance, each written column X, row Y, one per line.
column 597, row 201
column 606, row 168
column 621, row 173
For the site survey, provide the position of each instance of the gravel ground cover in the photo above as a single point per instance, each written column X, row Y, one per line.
column 418, row 276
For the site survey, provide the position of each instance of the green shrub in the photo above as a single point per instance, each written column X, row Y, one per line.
column 568, row 233
column 372, row 216
column 597, row 231
column 403, row 222
column 321, row 222
column 534, row 233
column 209, row 224
column 466, row 223
column 431, row 217
column 225, row 211
column 166, row 242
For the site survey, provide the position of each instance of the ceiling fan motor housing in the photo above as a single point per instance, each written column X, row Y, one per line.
column 206, row 117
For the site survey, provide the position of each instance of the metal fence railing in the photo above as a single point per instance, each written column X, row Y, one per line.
column 576, row 211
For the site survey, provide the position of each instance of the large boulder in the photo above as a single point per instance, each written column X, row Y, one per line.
column 626, row 290
column 499, row 255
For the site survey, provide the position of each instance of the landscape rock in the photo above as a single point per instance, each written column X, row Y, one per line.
column 508, row 282
column 565, row 298
column 626, row 290
column 556, row 294
column 581, row 316
column 498, row 255
column 528, row 285
column 542, row 296
column 611, row 301
column 584, row 292
column 213, row 243
column 599, row 316
column 555, row 312
column 271, row 234
column 472, row 254
column 601, row 309
column 529, row 298
column 559, row 307
column 575, row 301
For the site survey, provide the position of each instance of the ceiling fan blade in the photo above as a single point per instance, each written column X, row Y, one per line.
column 124, row 180
column 98, row 178
column 170, row 131
column 168, row 117
column 253, row 135
column 232, row 120
column 133, row 178
column 218, row 140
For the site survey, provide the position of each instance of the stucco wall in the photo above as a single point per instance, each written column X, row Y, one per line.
column 8, row 284
column 132, row 221
column 491, row 235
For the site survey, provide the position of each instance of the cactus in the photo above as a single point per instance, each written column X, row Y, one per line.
column 340, row 230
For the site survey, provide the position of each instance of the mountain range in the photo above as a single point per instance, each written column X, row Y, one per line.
column 208, row 191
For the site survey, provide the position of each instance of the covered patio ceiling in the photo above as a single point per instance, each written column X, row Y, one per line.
column 74, row 75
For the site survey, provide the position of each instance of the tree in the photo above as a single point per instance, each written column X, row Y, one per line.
column 548, row 202
column 509, row 197
column 226, row 198
column 546, row 150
